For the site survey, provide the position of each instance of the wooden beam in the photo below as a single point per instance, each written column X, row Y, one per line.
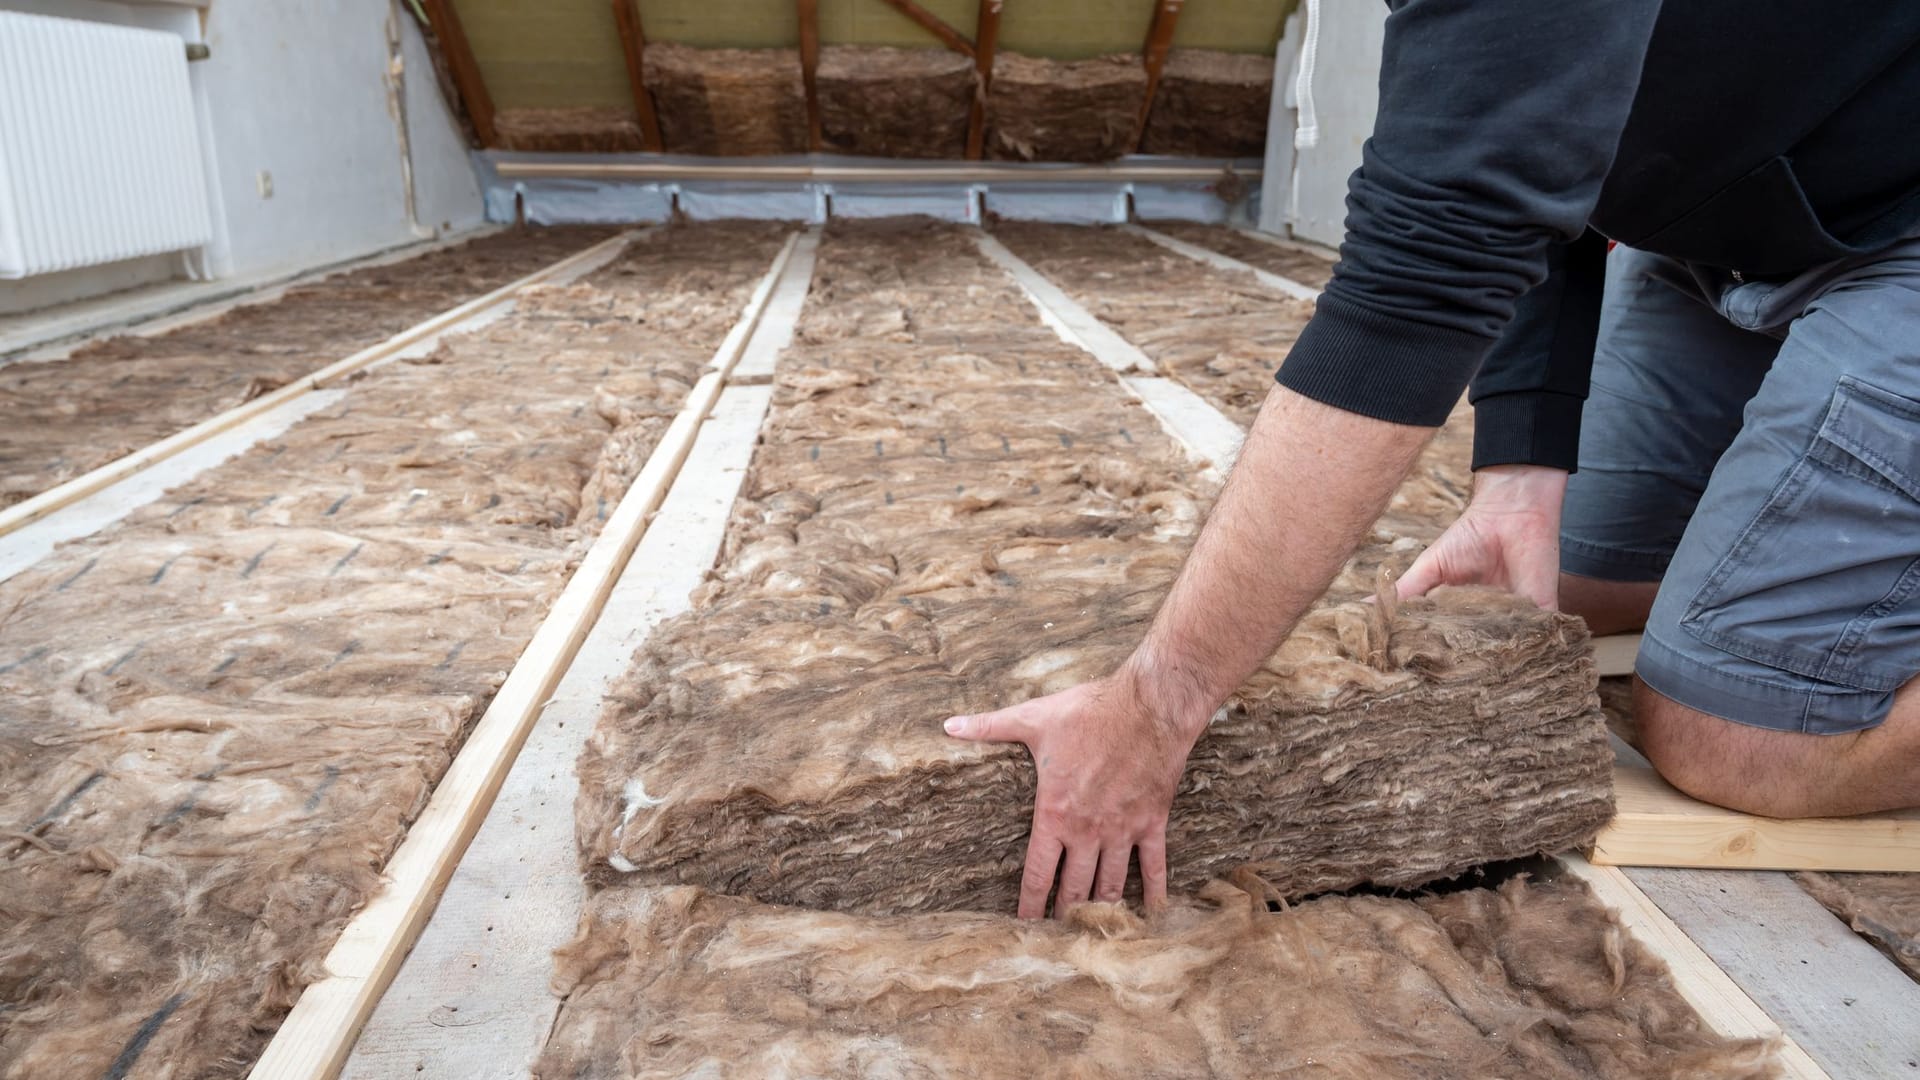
column 1614, row 654
column 1657, row 825
column 1276, row 282
column 314, row 1041
column 19, row 514
column 809, row 67
column 633, row 41
column 1723, row 1006
column 934, row 25
column 986, row 39
column 1159, row 39
column 487, row 952
column 466, row 71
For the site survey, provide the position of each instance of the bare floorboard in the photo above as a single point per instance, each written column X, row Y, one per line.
column 1844, row 1002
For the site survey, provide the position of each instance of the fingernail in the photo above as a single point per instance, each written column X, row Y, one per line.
column 956, row 725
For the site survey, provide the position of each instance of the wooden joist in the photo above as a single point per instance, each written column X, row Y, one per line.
column 1221, row 261
column 119, row 469
column 466, row 70
column 1614, row 654
column 1723, row 1006
column 809, row 69
column 633, row 42
column 934, row 25
column 986, row 39
column 1659, row 826
column 1166, row 13
column 487, row 952
column 320, row 1031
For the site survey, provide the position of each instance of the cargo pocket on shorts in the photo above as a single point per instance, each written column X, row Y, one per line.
column 1824, row 582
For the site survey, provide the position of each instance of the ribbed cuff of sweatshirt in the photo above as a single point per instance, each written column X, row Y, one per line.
column 1531, row 427
column 1381, row 366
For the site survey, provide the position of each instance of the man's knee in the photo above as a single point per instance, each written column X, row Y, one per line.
column 1718, row 761
column 1609, row 607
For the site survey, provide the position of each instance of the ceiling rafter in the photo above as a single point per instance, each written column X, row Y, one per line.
column 986, row 38
column 1166, row 14
column 633, row 43
column 466, row 70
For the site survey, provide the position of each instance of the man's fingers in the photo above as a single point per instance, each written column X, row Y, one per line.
column 1111, row 881
column 1421, row 577
column 1153, row 866
column 1036, row 880
column 1007, row 725
column 1076, row 880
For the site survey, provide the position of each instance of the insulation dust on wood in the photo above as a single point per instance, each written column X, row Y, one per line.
column 1224, row 335
column 736, row 102
column 895, row 103
column 1884, row 908
column 1210, row 104
column 112, row 397
column 580, row 129
column 1535, row 981
column 1063, row 110
column 223, row 712
column 953, row 511
column 1301, row 266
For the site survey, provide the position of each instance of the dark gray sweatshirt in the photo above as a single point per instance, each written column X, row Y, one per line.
column 1513, row 136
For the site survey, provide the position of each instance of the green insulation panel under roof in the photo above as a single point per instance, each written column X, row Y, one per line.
column 561, row 53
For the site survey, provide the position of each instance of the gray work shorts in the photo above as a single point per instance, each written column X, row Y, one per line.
column 1755, row 448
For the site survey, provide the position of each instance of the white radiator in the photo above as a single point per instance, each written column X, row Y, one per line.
column 99, row 150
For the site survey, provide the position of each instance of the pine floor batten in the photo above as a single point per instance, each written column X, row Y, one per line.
column 1722, row 1004
column 1215, row 259
column 1205, row 431
column 421, row 335
column 1303, row 246
column 1659, row 826
column 472, row 1000
column 319, row 1033
column 156, row 318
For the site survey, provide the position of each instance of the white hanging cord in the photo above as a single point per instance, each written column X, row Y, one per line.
column 1307, row 134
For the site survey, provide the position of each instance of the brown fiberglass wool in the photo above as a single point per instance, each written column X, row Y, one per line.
column 1063, row 110
column 951, row 512
column 1529, row 980
column 222, row 713
column 894, row 103
column 1223, row 335
column 110, row 398
column 730, row 102
column 1211, row 104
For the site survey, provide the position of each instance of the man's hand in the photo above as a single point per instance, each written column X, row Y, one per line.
column 1108, row 765
column 1508, row 537
column 1310, row 480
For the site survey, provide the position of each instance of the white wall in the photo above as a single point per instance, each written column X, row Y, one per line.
column 1346, row 91
column 297, row 89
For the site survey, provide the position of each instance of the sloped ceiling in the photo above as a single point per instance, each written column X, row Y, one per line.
column 565, row 53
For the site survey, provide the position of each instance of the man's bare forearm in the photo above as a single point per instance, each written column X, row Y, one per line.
column 1310, row 482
